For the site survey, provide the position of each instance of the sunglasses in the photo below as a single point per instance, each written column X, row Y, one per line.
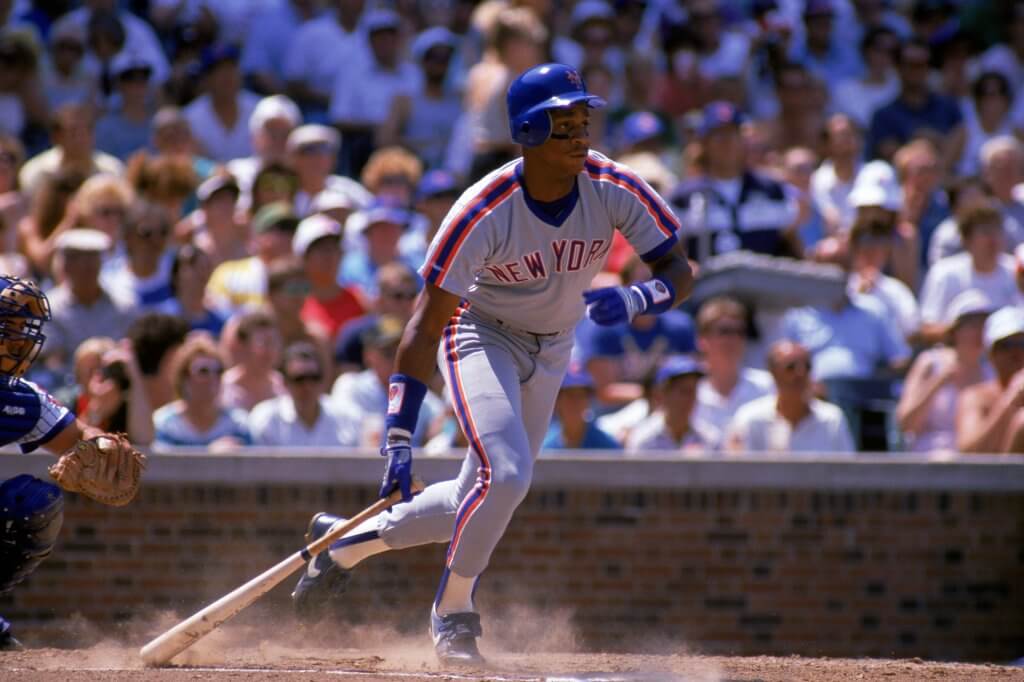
column 438, row 55
column 69, row 46
column 295, row 288
column 134, row 75
column 739, row 332
column 398, row 295
column 152, row 232
column 206, row 369
column 305, row 379
column 317, row 148
column 109, row 211
column 794, row 365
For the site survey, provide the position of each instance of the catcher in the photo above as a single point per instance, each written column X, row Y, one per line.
column 101, row 465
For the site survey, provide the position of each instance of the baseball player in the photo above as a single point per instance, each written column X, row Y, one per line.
column 31, row 510
column 506, row 282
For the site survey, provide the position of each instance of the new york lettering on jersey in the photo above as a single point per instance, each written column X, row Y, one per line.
column 513, row 259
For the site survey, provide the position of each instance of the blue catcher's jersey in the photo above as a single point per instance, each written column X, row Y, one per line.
column 29, row 415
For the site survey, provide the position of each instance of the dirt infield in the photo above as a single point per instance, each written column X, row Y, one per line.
column 263, row 661
column 535, row 646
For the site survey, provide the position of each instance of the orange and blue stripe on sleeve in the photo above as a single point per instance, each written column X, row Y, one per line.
column 459, row 229
column 617, row 175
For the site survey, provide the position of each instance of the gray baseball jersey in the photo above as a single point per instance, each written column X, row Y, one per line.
column 511, row 260
column 521, row 275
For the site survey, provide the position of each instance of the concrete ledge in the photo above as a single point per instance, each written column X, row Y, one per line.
column 991, row 473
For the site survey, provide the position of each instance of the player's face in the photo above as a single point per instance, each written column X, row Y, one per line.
column 15, row 350
column 566, row 149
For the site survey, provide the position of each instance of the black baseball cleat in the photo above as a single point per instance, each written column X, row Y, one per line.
column 8, row 642
column 455, row 636
column 323, row 581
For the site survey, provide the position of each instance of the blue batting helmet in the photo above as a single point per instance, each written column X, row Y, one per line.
column 538, row 90
column 23, row 311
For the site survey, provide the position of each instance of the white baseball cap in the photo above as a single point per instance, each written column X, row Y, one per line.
column 314, row 133
column 330, row 199
column 84, row 239
column 271, row 108
column 969, row 302
column 312, row 228
column 877, row 185
column 1002, row 324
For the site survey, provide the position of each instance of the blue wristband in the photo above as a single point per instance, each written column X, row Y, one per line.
column 405, row 396
column 658, row 294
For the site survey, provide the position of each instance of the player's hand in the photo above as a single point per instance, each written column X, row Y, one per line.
column 399, row 469
column 613, row 305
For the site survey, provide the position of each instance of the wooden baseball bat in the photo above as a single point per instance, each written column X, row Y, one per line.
column 189, row 631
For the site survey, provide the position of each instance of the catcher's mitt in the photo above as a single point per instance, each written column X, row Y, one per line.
column 106, row 468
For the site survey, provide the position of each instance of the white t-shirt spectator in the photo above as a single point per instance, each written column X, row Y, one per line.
column 830, row 194
column 274, row 422
column 363, row 395
column 364, row 95
column 758, row 427
column 975, row 137
column 222, row 144
column 321, row 50
column 860, row 100
column 653, row 434
column 895, row 296
column 716, row 409
column 946, row 239
column 950, row 276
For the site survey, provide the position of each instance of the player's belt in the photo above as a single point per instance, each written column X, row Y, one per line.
column 498, row 322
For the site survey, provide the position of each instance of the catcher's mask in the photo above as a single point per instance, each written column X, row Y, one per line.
column 23, row 311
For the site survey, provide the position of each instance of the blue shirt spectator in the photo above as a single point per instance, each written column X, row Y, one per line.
column 173, row 428
column 828, row 54
column 266, row 46
column 916, row 109
column 199, row 418
column 574, row 427
column 852, row 341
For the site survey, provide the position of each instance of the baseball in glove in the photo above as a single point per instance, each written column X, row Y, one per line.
column 106, row 468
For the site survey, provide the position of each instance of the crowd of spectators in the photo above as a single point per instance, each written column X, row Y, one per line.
column 227, row 202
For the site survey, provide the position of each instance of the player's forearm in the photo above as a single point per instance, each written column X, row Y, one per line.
column 417, row 353
column 71, row 434
column 676, row 269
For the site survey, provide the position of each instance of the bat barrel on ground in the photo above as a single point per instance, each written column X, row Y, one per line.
column 186, row 633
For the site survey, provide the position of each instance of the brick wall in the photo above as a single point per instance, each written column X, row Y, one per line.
column 748, row 568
